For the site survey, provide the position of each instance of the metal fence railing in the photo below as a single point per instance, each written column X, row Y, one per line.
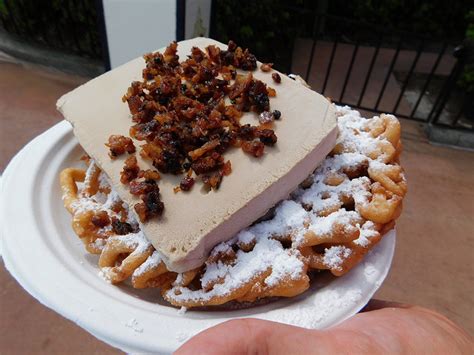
column 70, row 26
column 366, row 66
column 373, row 68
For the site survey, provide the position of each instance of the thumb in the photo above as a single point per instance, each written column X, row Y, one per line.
column 251, row 336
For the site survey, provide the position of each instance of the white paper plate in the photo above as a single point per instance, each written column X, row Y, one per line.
column 48, row 260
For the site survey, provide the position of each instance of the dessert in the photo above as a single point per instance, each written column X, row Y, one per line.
column 336, row 215
column 194, row 222
column 205, row 182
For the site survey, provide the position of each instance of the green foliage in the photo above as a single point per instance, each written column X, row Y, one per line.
column 466, row 80
column 3, row 9
column 66, row 24
column 470, row 25
column 266, row 27
column 434, row 18
column 269, row 27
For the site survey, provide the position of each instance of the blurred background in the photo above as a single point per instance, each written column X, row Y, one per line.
column 414, row 59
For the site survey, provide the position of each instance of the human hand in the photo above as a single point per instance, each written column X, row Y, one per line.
column 382, row 327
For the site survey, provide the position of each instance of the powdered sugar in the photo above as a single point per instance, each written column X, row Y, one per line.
column 132, row 323
column 99, row 201
column 92, row 169
column 151, row 262
column 371, row 273
column 289, row 219
column 267, row 255
column 335, row 256
column 367, row 232
column 322, row 226
column 182, row 311
column 182, row 336
column 136, row 241
column 357, row 135
column 105, row 199
column 246, row 237
column 103, row 274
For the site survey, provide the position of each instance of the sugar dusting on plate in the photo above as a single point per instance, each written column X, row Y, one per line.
column 132, row 323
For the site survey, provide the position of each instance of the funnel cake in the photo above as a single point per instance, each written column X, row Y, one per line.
column 335, row 217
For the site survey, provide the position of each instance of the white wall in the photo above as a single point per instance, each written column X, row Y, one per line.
column 198, row 18
column 135, row 27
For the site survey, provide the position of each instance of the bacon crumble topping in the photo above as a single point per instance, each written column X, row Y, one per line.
column 266, row 67
column 130, row 170
column 118, row 145
column 122, row 228
column 276, row 78
column 151, row 205
column 181, row 111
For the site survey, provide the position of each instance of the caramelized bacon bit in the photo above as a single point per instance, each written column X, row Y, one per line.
column 141, row 210
column 231, row 46
column 139, row 188
column 276, row 78
column 195, row 154
column 121, row 228
column 204, row 165
column 254, row 148
column 149, row 193
column 169, row 161
column 247, row 132
column 271, row 92
column 100, row 219
column 267, row 137
column 266, row 67
column 149, row 174
column 197, row 54
column 249, row 61
column 212, row 181
column 86, row 158
column 227, row 168
column 170, row 57
column 130, row 170
column 186, row 184
column 214, row 53
column 118, row 145
column 150, row 207
column 258, row 95
column 134, row 104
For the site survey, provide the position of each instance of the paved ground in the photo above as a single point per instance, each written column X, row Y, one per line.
column 336, row 74
column 433, row 261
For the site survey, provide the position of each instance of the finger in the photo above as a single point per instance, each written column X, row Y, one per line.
column 235, row 336
column 405, row 328
column 253, row 336
column 375, row 304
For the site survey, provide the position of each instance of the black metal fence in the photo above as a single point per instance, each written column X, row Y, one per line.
column 367, row 66
column 373, row 68
column 71, row 26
